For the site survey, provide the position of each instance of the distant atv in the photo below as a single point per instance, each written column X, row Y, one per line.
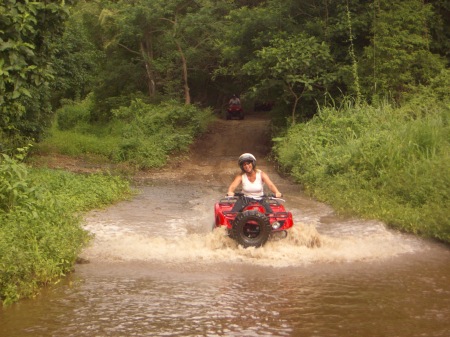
column 235, row 111
column 252, row 227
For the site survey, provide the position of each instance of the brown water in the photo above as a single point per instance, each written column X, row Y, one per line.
column 157, row 269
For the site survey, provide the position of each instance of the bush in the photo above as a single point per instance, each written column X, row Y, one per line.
column 154, row 132
column 40, row 223
column 73, row 113
column 141, row 134
column 385, row 163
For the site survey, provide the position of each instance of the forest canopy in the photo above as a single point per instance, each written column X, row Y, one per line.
column 295, row 53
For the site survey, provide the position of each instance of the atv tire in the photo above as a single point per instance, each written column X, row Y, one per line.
column 251, row 229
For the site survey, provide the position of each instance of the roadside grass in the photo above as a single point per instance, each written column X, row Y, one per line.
column 40, row 223
column 387, row 163
column 141, row 135
column 75, row 143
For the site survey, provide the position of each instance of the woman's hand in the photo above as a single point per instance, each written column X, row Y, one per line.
column 278, row 195
column 230, row 194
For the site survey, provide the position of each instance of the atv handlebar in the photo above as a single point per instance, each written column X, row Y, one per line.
column 270, row 196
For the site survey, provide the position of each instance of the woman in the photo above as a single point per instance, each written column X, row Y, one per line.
column 234, row 100
column 252, row 181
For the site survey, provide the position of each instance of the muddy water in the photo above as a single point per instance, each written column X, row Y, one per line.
column 157, row 269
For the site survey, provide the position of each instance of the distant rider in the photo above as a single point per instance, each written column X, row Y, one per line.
column 252, row 181
column 234, row 101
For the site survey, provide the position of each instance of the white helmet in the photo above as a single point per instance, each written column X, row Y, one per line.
column 246, row 157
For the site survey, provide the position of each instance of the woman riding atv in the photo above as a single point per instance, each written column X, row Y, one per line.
column 252, row 181
column 234, row 100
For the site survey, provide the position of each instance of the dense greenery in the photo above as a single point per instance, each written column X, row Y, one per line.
column 40, row 224
column 143, row 135
column 292, row 52
column 388, row 163
column 135, row 81
column 28, row 31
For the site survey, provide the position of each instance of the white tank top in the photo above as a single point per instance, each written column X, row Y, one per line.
column 253, row 189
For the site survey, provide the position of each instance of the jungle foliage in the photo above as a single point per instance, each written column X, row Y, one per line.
column 28, row 31
column 380, row 162
column 135, row 81
column 295, row 53
column 141, row 135
column 40, row 223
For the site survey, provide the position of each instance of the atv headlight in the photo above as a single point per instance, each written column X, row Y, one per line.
column 276, row 225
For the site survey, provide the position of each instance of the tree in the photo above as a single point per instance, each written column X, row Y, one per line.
column 399, row 56
column 79, row 54
column 300, row 64
column 246, row 30
column 165, row 39
column 28, row 30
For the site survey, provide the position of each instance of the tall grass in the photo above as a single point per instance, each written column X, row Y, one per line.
column 76, row 143
column 40, row 223
column 142, row 135
column 386, row 163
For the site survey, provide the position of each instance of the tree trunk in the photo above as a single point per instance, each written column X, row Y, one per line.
column 294, row 108
column 296, row 99
column 146, row 53
column 187, row 94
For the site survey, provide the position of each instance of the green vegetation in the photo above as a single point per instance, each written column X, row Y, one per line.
column 388, row 163
column 143, row 135
column 40, row 223
column 28, row 30
column 299, row 64
column 135, row 84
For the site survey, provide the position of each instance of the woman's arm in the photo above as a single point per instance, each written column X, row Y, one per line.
column 270, row 184
column 237, row 180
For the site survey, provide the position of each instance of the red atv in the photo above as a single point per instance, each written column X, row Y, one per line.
column 235, row 111
column 252, row 227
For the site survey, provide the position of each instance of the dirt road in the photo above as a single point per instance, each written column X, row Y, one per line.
column 213, row 157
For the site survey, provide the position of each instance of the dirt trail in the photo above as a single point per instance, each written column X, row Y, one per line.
column 213, row 157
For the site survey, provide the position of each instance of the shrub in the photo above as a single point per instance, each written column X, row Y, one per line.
column 73, row 113
column 386, row 163
column 40, row 224
column 141, row 134
column 155, row 131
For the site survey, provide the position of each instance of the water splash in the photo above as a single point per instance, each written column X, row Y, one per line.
column 303, row 245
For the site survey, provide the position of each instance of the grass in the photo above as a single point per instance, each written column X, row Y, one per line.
column 40, row 223
column 75, row 143
column 381, row 163
column 141, row 135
